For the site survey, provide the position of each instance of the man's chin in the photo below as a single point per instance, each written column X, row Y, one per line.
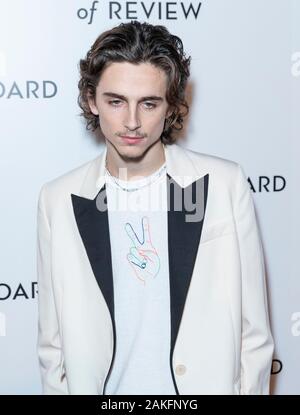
column 130, row 152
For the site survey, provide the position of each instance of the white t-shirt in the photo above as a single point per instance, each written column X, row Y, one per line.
column 139, row 246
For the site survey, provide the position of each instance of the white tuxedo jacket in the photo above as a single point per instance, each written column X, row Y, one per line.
column 220, row 334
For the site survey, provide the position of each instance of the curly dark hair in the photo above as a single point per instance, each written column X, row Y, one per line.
column 137, row 42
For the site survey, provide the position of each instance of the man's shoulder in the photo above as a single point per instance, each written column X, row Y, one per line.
column 71, row 180
column 211, row 163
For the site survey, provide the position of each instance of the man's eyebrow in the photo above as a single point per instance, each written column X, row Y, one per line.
column 148, row 98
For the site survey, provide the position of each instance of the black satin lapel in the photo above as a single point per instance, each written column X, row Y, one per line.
column 93, row 227
column 183, row 238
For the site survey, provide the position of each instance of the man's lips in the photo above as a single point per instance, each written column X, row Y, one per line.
column 127, row 136
column 131, row 140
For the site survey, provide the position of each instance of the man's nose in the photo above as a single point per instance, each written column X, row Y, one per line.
column 132, row 121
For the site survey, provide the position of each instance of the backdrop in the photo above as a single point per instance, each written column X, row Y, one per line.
column 244, row 96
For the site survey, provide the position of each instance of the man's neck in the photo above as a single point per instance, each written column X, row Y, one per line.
column 133, row 169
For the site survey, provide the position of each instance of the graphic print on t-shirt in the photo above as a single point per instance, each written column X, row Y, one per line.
column 143, row 257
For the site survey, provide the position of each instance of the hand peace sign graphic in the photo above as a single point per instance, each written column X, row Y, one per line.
column 143, row 257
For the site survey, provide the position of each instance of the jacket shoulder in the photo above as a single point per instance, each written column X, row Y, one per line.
column 213, row 160
column 68, row 182
column 218, row 166
column 226, row 177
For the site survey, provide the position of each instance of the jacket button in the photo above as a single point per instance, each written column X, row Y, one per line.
column 180, row 369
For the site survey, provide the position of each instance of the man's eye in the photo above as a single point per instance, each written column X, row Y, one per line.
column 115, row 101
column 150, row 105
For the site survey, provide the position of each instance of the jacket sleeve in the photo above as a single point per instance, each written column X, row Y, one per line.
column 48, row 342
column 257, row 342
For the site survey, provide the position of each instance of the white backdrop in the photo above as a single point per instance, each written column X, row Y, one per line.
column 244, row 94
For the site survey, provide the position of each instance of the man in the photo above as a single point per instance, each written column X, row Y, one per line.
column 150, row 264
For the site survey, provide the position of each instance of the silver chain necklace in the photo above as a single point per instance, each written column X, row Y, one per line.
column 155, row 177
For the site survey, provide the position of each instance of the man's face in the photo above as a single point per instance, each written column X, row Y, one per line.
column 130, row 101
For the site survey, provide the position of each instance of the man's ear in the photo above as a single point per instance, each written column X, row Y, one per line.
column 169, row 112
column 92, row 105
